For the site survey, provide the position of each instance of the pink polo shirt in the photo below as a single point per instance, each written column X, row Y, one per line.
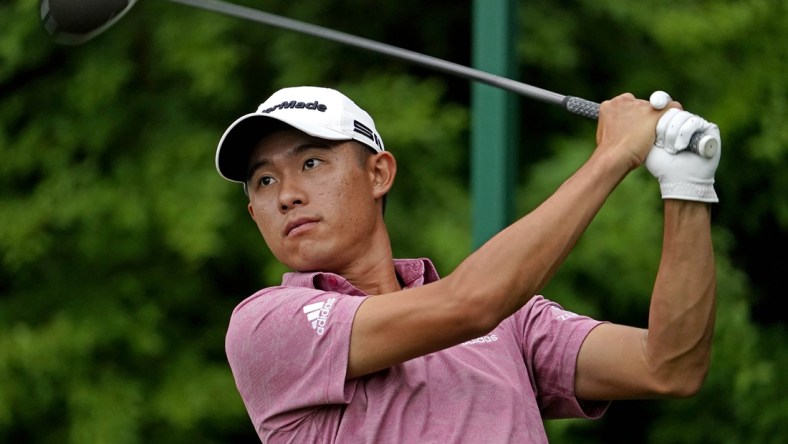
column 288, row 350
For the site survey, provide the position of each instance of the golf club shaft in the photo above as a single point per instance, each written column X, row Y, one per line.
column 575, row 105
column 76, row 21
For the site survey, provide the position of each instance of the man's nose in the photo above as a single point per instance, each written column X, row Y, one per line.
column 291, row 194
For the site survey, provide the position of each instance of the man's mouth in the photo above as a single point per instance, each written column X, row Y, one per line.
column 299, row 225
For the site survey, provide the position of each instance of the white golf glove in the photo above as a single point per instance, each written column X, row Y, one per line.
column 676, row 127
column 682, row 174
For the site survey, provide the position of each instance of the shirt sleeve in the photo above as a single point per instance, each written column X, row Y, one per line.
column 551, row 340
column 288, row 351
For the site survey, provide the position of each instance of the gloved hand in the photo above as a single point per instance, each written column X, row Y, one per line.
column 682, row 174
column 676, row 127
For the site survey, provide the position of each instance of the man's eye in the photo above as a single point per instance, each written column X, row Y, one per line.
column 311, row 163
column 266, row 180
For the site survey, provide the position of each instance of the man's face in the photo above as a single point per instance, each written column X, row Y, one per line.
column 313, row 200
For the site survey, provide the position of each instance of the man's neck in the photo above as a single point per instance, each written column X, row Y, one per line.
column 375, row 276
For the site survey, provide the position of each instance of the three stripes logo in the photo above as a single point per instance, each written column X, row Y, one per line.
column 366, row 131
column 562, row 315
column 317, row 314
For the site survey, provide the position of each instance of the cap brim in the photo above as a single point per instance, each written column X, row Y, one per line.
column 232, row 155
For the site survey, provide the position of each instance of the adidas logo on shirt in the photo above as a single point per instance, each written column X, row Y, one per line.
column 488, row 338
column 317, row 314
column 562, row 315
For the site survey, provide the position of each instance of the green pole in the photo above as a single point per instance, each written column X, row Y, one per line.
column 494, row 120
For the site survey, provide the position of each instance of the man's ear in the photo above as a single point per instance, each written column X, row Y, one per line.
column 251, row 210
column 383, row 170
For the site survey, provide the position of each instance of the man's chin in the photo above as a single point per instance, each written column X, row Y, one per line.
column 312, row 264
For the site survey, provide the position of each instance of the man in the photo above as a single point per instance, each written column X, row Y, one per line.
column 357, row 347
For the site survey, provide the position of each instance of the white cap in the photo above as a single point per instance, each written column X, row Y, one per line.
column 319, row 112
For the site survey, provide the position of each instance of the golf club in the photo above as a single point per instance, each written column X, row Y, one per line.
column 77, row 21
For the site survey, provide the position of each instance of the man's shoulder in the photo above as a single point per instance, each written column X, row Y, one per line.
column 277, row 295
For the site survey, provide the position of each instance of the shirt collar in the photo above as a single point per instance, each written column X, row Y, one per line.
column 411, row 272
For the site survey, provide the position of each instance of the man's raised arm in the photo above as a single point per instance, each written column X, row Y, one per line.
column 508, row 270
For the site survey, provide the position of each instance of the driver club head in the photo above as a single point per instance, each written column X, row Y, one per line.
column 73, row 22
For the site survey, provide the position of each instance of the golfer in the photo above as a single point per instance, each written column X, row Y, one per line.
column 356, row 346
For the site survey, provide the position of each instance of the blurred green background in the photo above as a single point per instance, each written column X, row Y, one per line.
column 122, row 252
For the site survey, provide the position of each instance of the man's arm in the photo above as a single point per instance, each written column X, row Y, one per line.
column 508, row 270
column 671, row 358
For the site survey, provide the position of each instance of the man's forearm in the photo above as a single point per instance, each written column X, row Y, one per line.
column 681, row 319
column 506, row 272
column 515, row 264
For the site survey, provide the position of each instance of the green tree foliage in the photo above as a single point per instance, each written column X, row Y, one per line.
column 122, row 252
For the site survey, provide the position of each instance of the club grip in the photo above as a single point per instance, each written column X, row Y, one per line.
column 700, row 144
column 582, row 107
column 703, row 145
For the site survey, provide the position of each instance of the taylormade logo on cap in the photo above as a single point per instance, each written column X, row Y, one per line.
column 342, row 115
column 319, row 112
column 298, row 105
